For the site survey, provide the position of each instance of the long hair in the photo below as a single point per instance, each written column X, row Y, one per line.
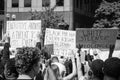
column 55, row 70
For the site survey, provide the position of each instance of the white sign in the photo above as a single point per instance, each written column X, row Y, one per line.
column 96, row 38
column 63, row 40
column 24, row 33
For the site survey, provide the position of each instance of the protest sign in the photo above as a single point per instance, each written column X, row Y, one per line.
column 63, row 40
column 96, row 38
column 24, row 33
column 49, row 48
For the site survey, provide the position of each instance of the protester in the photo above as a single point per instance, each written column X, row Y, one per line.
column 68, row 65
column 55, row 59
column 62, row 70
column 96, row 69
column 61, row 67
column 27, row 62
column 5, row 39
column 1, row 71
column 49, row 74
column 36, row 63
column 39, row 76
column 5, row 53
column 38, row 45
column 10, row 71
column 111, row 69
column 56, row 71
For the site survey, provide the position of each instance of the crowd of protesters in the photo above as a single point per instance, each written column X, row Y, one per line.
column 34, row 63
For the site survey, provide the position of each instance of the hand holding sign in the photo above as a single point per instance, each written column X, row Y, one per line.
column 111, row 49
column 72, row 55
column 79, row 49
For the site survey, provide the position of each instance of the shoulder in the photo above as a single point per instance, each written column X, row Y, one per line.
column 24, row 77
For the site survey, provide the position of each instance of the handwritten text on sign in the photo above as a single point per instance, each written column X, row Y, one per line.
column 62, row 40
column 23, row 33
column 96, row 38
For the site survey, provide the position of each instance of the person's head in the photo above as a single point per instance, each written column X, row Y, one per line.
column 55, row 59
column 38, row 45
column 10, row 70
column 111, row 68
column 45, row 54
column 62, row 68
column 56, row 71
column 96, row 69
column 27, row 61
column 6, row 46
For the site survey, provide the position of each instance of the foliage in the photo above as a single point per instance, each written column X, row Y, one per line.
column 107, row 15
column 49, row 17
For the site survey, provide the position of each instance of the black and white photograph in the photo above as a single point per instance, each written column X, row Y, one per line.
column 59, row 39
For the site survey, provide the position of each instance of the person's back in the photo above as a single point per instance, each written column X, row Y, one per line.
column 96, row 68
column 5, row 53
column 111, row 69
column 27, row 62
column 1, row 71
column 10, row 71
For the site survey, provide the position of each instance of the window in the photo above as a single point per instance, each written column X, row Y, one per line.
column 77, row 3
column 27, row 3
column 45, row 3
column 1, row 26
column 60, row 2
column 15, row 3
column 81, row 3
column 1, row 6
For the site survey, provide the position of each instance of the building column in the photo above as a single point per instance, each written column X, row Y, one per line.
column 71, row 6
column 39, row 5
column 5, row 20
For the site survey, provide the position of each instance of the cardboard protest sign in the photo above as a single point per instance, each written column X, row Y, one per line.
column 24, row 33
column 63, row 41
column 49, row 48
column 96, row 38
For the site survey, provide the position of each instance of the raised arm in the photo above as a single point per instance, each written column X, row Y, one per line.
column 79, row 70
column 70, row 76
column 96, row 55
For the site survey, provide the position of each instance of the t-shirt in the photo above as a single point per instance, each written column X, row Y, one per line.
column 61, row 67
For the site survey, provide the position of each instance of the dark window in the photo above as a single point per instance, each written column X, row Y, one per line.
column 86, row 1
column 77, row 3
column 1, row 26
column 60, row 2
column 15, row 3
column 1, row 6
column 45, row 3
column 81, row 3
column 27, row 3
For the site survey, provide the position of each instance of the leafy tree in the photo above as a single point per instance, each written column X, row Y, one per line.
column 1, row 6
column 49, row 18
column 108, row 14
